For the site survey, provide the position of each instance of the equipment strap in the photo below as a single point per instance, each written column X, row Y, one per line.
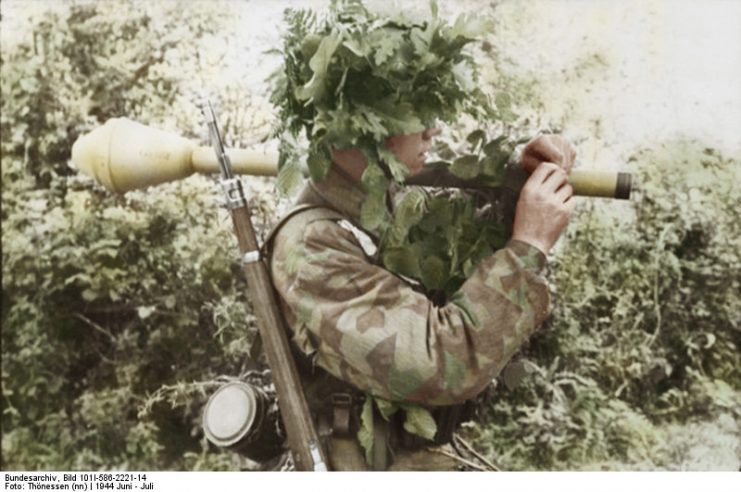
column 267, row 245
column 342, row 408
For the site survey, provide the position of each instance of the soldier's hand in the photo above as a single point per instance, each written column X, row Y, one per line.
column 548, row 148
column 544, row 207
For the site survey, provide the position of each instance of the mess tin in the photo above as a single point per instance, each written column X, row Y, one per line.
column 238, row 417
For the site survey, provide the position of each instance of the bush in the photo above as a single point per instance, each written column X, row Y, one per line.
column 118, row 312
column 645, row 328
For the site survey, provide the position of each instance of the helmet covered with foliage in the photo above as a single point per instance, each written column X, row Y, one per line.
column 356, row 76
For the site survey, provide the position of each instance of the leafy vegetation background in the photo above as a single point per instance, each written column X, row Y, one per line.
column 120, row 314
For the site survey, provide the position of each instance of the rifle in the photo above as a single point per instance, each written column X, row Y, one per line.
column 302, row 437
column 123, row 155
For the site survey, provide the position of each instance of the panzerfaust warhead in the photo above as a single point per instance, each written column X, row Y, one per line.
column 123, row 155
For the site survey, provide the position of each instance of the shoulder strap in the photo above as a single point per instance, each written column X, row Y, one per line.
column 318, row 212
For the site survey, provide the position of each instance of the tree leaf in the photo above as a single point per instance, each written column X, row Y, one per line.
column 493, row 147
column 315, row 88
column 365, row 433
column 145, row 312
column 319, row 163
column 289, row 177
column 410, row 209
column 419, row 421
column 433, row 272
column 386, row 408
column 466, row 167
column 404, row 261
column 373, row 211
column 476, row 137
column 399, row 171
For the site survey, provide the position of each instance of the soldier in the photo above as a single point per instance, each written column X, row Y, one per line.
column 361, row 330
column 369, row 328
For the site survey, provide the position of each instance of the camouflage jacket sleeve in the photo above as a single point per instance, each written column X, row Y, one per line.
column 370, row 328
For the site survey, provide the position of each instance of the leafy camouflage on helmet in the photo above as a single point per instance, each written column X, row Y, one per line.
column 356, row 75
column 372, row 329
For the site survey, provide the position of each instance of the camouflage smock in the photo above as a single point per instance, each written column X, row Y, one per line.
column 369, row 327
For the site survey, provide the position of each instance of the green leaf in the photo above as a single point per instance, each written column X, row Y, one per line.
column 493, row 169
column 466, row 167
column 145, row 312
column 403, row 261
column 373, row 211
column 89, row 295
column 465, row 76
column 387, row 40
column 503, row 101
column 369, row 122
column 470, row 26
column 476, row 137
column 494, row 147
column 410, row 209
column 399, row 171
column 385, row 407
column 319, row 63
column 289, row 177
column 421, row 41
column 355, row 47
column 310, row 45
column 400, row 118
column 373, row 178
column 419, row 421
column 365, row 433
column 434, row 273
column 319, row 163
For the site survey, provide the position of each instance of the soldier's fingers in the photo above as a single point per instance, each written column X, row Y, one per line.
column 544, row 150
column 564, row 192
column 543, row 171
column 529, row 162
column 555, row 180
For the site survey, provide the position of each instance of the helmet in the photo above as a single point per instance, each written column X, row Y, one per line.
column 356, row 76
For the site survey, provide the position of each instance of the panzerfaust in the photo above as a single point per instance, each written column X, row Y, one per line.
column 123, row 155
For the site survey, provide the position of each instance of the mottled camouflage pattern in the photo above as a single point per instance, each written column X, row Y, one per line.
column 372, row 329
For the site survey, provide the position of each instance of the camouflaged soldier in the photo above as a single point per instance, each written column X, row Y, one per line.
column 361, row 330
column 370, row 328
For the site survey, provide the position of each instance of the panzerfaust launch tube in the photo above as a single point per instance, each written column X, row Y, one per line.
column 123, row 155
